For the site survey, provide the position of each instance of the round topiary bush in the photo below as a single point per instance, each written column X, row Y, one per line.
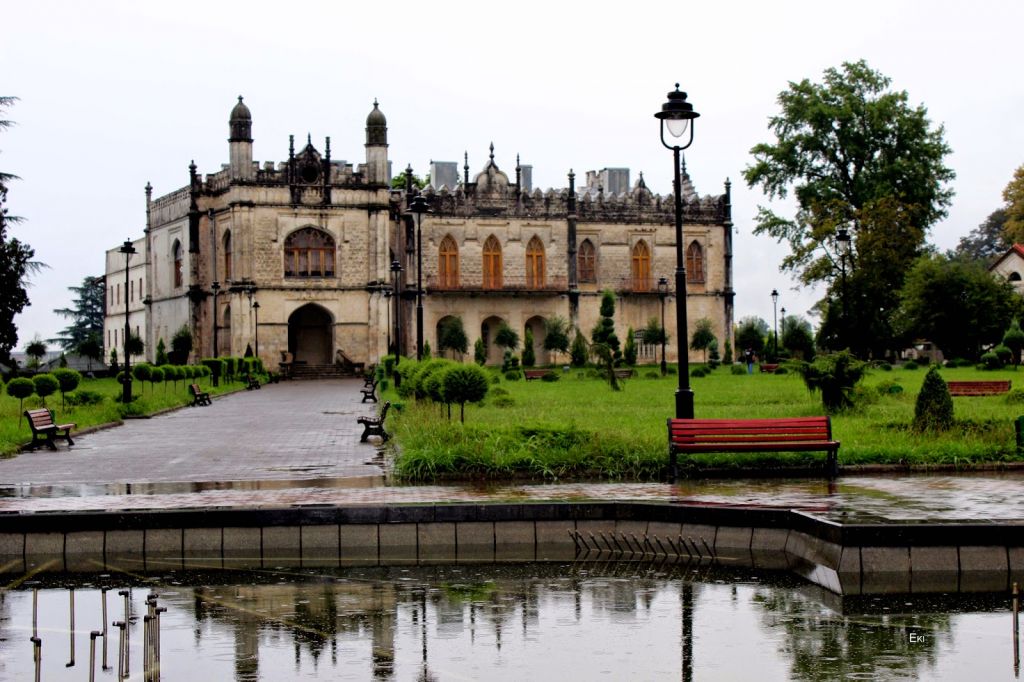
column 781, row 370
column 68, row 379
column 910, row 364
column 990, row 360
column 550, row 376
column 513, row 375
column 20, row 388
column 933, row 410
column 45, row 385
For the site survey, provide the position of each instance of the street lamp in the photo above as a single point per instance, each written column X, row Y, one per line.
column 775, row 325
column 843, row 246
column 678, row 116
column 418, row 207
column 216, row 287
column 126, row 386
column 387, row 304
column 256, row 329
column 396, row 270
column 662, row 293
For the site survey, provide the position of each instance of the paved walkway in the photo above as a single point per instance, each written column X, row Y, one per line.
column 297, row 443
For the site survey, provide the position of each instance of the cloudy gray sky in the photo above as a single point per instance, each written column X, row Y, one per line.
column 118, row 94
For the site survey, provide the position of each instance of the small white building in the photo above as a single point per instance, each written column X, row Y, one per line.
column 1011, row 266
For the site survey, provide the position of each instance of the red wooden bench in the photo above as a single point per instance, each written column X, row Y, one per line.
column 796, row 434
column 531, row 374
column 769, row 367
column 963, row 388
column 45, row 430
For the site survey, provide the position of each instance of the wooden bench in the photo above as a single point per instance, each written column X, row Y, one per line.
column 369, row 393
column 797, row 434
column 374, row 426
column 971, row 388
column 252, row 382
column 199, row 396
column 623, row 373
column 45, row 430
column 769, row 367
column 531, row 374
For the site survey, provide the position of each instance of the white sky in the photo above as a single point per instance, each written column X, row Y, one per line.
column 115, row 94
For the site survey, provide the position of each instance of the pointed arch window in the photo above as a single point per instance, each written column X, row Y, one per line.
column 641, row 267
column 587, row 262
column 492, row 263
column 694, row 262
column 448, row 263
column 535, row 265
column 309, row 252
column 227, row 256
column 176, row 252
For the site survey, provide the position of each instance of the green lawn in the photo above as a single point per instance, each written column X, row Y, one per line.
column 577, row 427
column 149, row 398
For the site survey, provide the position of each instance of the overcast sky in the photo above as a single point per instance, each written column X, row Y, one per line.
column 117, row 94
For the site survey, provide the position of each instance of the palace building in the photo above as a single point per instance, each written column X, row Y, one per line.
column 295, row 257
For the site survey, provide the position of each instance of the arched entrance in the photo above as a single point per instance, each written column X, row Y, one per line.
column 488, row 330
column 309, row 335
column 536, row 326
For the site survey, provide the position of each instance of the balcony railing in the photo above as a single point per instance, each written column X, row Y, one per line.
column 508, row 284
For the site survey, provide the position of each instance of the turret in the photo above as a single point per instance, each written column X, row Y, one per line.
column 240, row 142
column 376, row 147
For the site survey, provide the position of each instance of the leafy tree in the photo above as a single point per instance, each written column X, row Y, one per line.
column 36, row 349
column 798, row 338
column 156, row 376
column 181, row 346
column 855, row 154
column 20, row 388
column 161, row 352
column 15, row 261
column 578, row 352
column 480, row 352
column 87, row 314
column 398, row 181
column 629, row 350
column 67, row 380
column 604, row 343
column 703, row 335
column 134, row 345
column 556, row 335
column 1013, row 195
column 1014, row 340
column 750, row 334
column 986, row 241
column 835, row 375
column 958, row 305
column 933, row 410
column 529, row 355
column 654, row 332
column 465, row 384
column 45, row 385
column 506, row 337
column 451, row 335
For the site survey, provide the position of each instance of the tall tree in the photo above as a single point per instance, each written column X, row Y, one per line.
column 750, row 334
column 956, row 304
column 703, row 335
column 452, row 336
column 857, row 155
column 86, row 315
column 1013, row 195
column 986, row 241
column 15, row 261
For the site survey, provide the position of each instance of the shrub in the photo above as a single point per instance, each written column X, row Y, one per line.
column 578, row 352
column 465, row 384
column 835, row 375
column 924, row 360
column 20, row 388
column 1016, row 396
column 738, row 370
column 699, row 371
column 495, row 379
column 498, row 391
column 480, row 352
column 910, row 364
column 85, row 397
column 651, row 374
column 68, row 380
column 1005, row 354
column 156, row 376
column 1014, row 340
column 990, row 360
column 510, row 361
column 513, row 375
column 933, row 410
column 781, row 370
column 389, row 365
column 214, row 367
column 161, row 353
column 142, row 371
column 550, row 376
column 504, row 401
column 629, row 349
column 529, row 356
column 181, row 345
column 45, row 385
column 888, row 387
column 884, row 366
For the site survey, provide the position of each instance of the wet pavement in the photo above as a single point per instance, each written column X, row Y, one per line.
column 298, row 444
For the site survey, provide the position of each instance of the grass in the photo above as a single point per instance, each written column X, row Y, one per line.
column 148, row 398
column 578, row 428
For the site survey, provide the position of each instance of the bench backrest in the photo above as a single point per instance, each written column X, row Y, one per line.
column 982, row 385
column 40, row 419
column 684, row 432
column 195, row 389
column 384, row 410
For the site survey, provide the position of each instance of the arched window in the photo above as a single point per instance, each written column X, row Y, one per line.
column 694, row 263
column 587, row 261
column 227, row 256
column 309, row 252
column 448, row 264
column 641, row 267
column 1014, row 277
column 492, row 263
column 535, row 264
column 176, row 252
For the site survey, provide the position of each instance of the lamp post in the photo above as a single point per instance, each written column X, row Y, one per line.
column 256, row 328
column 783, row 311
column 396, row 269
column 250, row 291
column 387, row 304
column 126, row 386
column 418, row 207
column 843, row 246
column 775, row 325
column 216, row 287
column 678, row 116
column 662, row 293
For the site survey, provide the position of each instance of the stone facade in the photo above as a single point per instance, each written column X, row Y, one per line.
column 312, row 240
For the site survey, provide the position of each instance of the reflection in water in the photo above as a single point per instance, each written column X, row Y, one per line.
column 536, row 622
